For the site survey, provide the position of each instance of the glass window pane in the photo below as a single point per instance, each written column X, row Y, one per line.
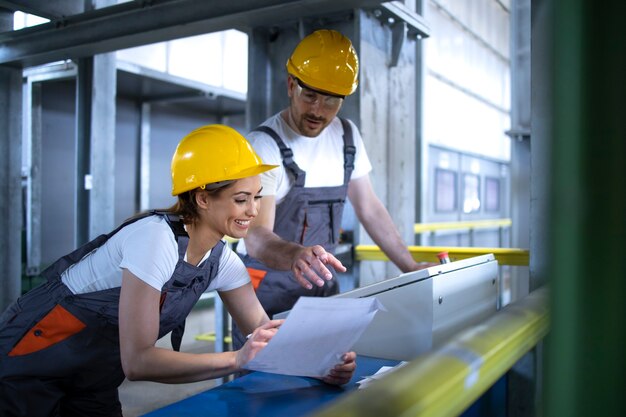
column 471, row 193
column 445, row 190
column 492, row 194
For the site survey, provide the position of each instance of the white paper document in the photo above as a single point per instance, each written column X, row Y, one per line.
column 381, row 373
column 315, row 335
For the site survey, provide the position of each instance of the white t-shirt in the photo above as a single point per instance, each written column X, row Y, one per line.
column 148, row 249
column 320, row 157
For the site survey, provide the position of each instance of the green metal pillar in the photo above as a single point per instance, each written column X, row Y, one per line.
column 586, row 349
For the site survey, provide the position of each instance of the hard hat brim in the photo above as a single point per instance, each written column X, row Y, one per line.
column 251, row 172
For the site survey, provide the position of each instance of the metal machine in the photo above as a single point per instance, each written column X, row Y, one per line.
column 426, row 307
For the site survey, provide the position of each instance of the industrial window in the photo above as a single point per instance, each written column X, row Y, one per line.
column 492, row 194
column 471, row 193
column 445, row 190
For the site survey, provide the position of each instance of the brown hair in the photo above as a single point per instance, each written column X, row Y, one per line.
column 187, row 207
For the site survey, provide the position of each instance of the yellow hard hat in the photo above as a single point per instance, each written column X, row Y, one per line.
column 211, row 154
column 325, row 60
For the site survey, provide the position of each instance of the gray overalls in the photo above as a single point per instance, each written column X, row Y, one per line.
column 60, row 353
column 309, row 216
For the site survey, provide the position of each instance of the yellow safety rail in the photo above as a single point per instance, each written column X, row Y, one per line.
column 210, row 337
column 504, row 256
column 477, row 224
column 448, row 380
column 231, row 240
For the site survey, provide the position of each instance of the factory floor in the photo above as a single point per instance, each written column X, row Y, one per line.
column 140, row 397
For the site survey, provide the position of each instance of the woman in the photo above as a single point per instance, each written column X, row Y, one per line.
column 67, row 345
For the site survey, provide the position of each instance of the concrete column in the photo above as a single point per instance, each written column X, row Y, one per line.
column 521, row 140
column 11, row 210
column 421, row 167
column 266, row 96
column 387, row 109
column 82, row 187
column 95, row 144
column 541, row 134
column 524, row 379
column 102, row 198
column 32, row 163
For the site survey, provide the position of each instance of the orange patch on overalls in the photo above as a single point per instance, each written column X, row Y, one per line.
column 256, row 276
column 56, row 326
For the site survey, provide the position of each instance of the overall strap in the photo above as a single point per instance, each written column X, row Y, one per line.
column 176, row 336
column 216, row 252
column 174, row 222
column 286, row 154
column 178, row 228
column 349, row 150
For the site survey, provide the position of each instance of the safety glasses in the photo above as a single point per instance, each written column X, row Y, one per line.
column 310, row 96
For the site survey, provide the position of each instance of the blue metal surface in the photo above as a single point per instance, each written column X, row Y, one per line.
column 493, row 403
column 268, row 395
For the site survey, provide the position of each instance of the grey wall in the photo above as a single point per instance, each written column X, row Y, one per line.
column 57, row 172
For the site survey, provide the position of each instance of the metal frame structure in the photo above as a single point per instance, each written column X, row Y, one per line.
column 139, row 23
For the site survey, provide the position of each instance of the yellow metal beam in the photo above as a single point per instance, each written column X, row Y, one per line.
column 451, row 378
column 210, row 337
column 477, row 224
column 504, row 256
column 231, row 240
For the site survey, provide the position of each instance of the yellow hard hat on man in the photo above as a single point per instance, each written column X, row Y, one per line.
column 213, row 154
column 326, row 61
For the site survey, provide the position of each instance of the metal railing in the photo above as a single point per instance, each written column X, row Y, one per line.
column 477, row 224
column 470, row 226
column 449, row 379
column 504, row 256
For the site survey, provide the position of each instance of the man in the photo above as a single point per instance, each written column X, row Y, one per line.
column 288, row 250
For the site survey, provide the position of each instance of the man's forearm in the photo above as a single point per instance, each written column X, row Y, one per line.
column 385, row 234
column 269, row 248
column 395, row 249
